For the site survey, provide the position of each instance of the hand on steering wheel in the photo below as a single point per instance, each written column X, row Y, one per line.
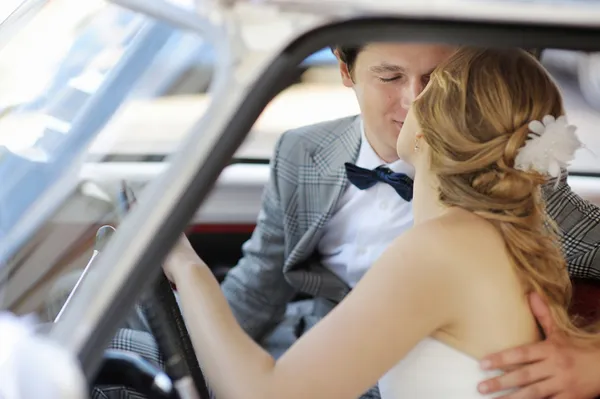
column 182, row 255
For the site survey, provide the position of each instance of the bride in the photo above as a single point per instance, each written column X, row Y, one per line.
column 483, row 137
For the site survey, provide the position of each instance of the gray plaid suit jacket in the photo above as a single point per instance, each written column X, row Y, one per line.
column 307, row 179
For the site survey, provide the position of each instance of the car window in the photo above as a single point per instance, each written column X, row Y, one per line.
column 578, row 76
column 71, row 100
column 8, row 7
column 318, row 95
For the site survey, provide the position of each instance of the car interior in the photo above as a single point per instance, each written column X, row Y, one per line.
column 134, row 84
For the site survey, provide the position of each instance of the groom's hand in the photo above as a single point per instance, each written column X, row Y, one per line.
column 554, row 368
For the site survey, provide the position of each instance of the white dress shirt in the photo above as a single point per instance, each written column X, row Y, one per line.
column 365, row 222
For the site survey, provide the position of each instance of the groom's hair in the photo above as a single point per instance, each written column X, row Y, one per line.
column 349, row 53
column 474, row 117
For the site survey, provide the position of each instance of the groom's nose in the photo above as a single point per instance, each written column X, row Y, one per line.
column 410, row 91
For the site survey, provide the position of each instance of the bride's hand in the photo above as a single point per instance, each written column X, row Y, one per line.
column 182, row 256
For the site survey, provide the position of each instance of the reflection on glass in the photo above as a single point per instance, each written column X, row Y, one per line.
column 45, row 80
column 58, row 184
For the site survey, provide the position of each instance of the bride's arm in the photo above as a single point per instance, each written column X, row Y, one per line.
column 406, row 295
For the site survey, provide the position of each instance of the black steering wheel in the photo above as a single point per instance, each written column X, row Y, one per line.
column 168, row 327
column 166, row 323
column 182, row 378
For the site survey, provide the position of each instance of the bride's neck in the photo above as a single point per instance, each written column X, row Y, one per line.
column 426, row 204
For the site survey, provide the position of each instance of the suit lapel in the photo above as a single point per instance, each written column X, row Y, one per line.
column 322, row 181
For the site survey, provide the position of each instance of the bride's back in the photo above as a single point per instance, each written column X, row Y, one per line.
column 495, row 313
column 490, row 313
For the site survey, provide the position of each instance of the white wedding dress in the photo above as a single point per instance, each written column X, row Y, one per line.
column 435, row 370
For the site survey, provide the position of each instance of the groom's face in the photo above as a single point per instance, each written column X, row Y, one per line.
column 386, row 79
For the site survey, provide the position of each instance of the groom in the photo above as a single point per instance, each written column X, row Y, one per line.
column 321, row 227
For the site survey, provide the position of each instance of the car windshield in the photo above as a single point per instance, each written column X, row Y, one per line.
column 72, row 76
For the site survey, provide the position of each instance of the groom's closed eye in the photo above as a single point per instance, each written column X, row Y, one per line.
column 387, row 80
column 390, row 73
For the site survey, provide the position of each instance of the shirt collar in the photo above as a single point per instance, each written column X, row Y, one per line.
column 368, row 158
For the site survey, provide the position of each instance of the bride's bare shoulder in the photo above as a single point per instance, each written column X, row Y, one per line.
column 458, row 235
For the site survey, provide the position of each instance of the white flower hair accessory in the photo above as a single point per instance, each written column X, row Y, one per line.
column 550, row 146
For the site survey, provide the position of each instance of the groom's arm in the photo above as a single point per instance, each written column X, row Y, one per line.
column 255, row 288
column 579, row 223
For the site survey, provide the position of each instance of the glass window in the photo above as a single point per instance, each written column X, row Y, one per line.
column 72, row 101
column 319, row 96
column 8, row 7
column 578, row 75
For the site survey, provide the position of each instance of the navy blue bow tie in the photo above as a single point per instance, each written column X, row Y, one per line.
column 365, row 178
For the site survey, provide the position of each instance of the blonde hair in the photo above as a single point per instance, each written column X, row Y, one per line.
column 474, row 115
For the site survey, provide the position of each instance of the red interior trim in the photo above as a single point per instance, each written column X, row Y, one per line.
column 221, row 228
column 586, row 300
